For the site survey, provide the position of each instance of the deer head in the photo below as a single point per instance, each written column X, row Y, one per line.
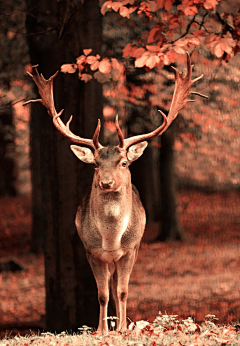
column 111, row 163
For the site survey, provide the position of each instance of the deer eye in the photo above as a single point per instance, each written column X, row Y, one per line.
column 124, row 164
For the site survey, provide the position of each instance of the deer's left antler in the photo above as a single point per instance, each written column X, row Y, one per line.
column 180, row 98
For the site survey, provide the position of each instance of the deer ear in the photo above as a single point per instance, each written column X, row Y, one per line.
column 84, row 154
column 136, row 150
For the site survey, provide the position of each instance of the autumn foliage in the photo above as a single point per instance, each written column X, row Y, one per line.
column 172, row 28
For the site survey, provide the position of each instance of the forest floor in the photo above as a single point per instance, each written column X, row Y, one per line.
column 197, row 277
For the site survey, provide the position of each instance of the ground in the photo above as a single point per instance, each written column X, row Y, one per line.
column 194, row 278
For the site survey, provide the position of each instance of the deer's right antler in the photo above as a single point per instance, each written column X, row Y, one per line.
column 45, row 88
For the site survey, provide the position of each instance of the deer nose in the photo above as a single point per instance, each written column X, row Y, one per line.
column 106, row 184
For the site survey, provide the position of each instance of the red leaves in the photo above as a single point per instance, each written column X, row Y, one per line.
column 105, row 66
column 137, row 52
column 119, row 6
column 126, row 50
column 153, row 48
column 155, row 33
column 152, row 6
column 225, row 45
column 168, row 5
column 160, row 45
column 220, row 45
column 180, row 46
column 69, row 68
column 86, row 77
column 188, row 10
column 105, row 69
column 210, row 4
column 87, row 51
column 148, row 59
column 152, row 55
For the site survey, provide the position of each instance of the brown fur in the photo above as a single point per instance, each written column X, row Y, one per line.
column 110, row 223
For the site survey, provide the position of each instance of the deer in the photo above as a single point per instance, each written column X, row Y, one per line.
column 111, row 218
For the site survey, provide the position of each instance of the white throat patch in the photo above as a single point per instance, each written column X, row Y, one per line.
column 112, row 209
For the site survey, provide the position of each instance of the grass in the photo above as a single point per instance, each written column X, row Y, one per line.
column 166, row 330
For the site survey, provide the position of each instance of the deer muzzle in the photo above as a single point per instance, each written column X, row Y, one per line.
column 107, row 184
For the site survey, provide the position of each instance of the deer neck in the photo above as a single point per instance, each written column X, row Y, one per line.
column 111, row 212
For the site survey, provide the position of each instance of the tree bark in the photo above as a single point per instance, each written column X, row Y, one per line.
column 145, row 178
column 170, row 227
column 64, row 30
column 7, row 152
column 144, row 170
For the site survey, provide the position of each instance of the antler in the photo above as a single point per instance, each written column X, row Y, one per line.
column 45, row 88
column 181, row 92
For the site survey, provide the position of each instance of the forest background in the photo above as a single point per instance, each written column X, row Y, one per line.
column 205, row 139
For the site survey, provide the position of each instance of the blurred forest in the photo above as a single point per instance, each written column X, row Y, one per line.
column 213, row 125
column 190, row 172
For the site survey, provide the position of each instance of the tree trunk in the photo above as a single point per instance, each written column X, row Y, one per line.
column 145, row 178
column 7, row 152
column 144, row 170
column 170, row 227
column 71, row 296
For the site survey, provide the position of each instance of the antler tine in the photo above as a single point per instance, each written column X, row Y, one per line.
column 45, row 88
column 119, row 133
column 96, row 143
column 180, row 98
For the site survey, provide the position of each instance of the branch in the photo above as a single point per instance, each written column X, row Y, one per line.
column 201, row 24
column 187, row 29
column 225, row 24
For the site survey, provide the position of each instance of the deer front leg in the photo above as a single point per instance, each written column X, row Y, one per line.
column 102, row 277
column 124, row 268
column 114, row 295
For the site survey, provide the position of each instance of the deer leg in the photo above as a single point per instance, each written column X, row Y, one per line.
column 114, row 294
column 124, row 268
column 102, row 276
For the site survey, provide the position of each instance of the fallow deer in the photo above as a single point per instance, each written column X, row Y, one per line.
column 111, row 219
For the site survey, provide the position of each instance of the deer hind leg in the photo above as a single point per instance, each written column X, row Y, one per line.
column 102, row 276
column 124, row 268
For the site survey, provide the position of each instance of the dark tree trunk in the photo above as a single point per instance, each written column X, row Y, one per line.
column 144, row 170
column 144, row 177
column 59, row 179
column 170, row 226
column 38, row 214
column 7, row 152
